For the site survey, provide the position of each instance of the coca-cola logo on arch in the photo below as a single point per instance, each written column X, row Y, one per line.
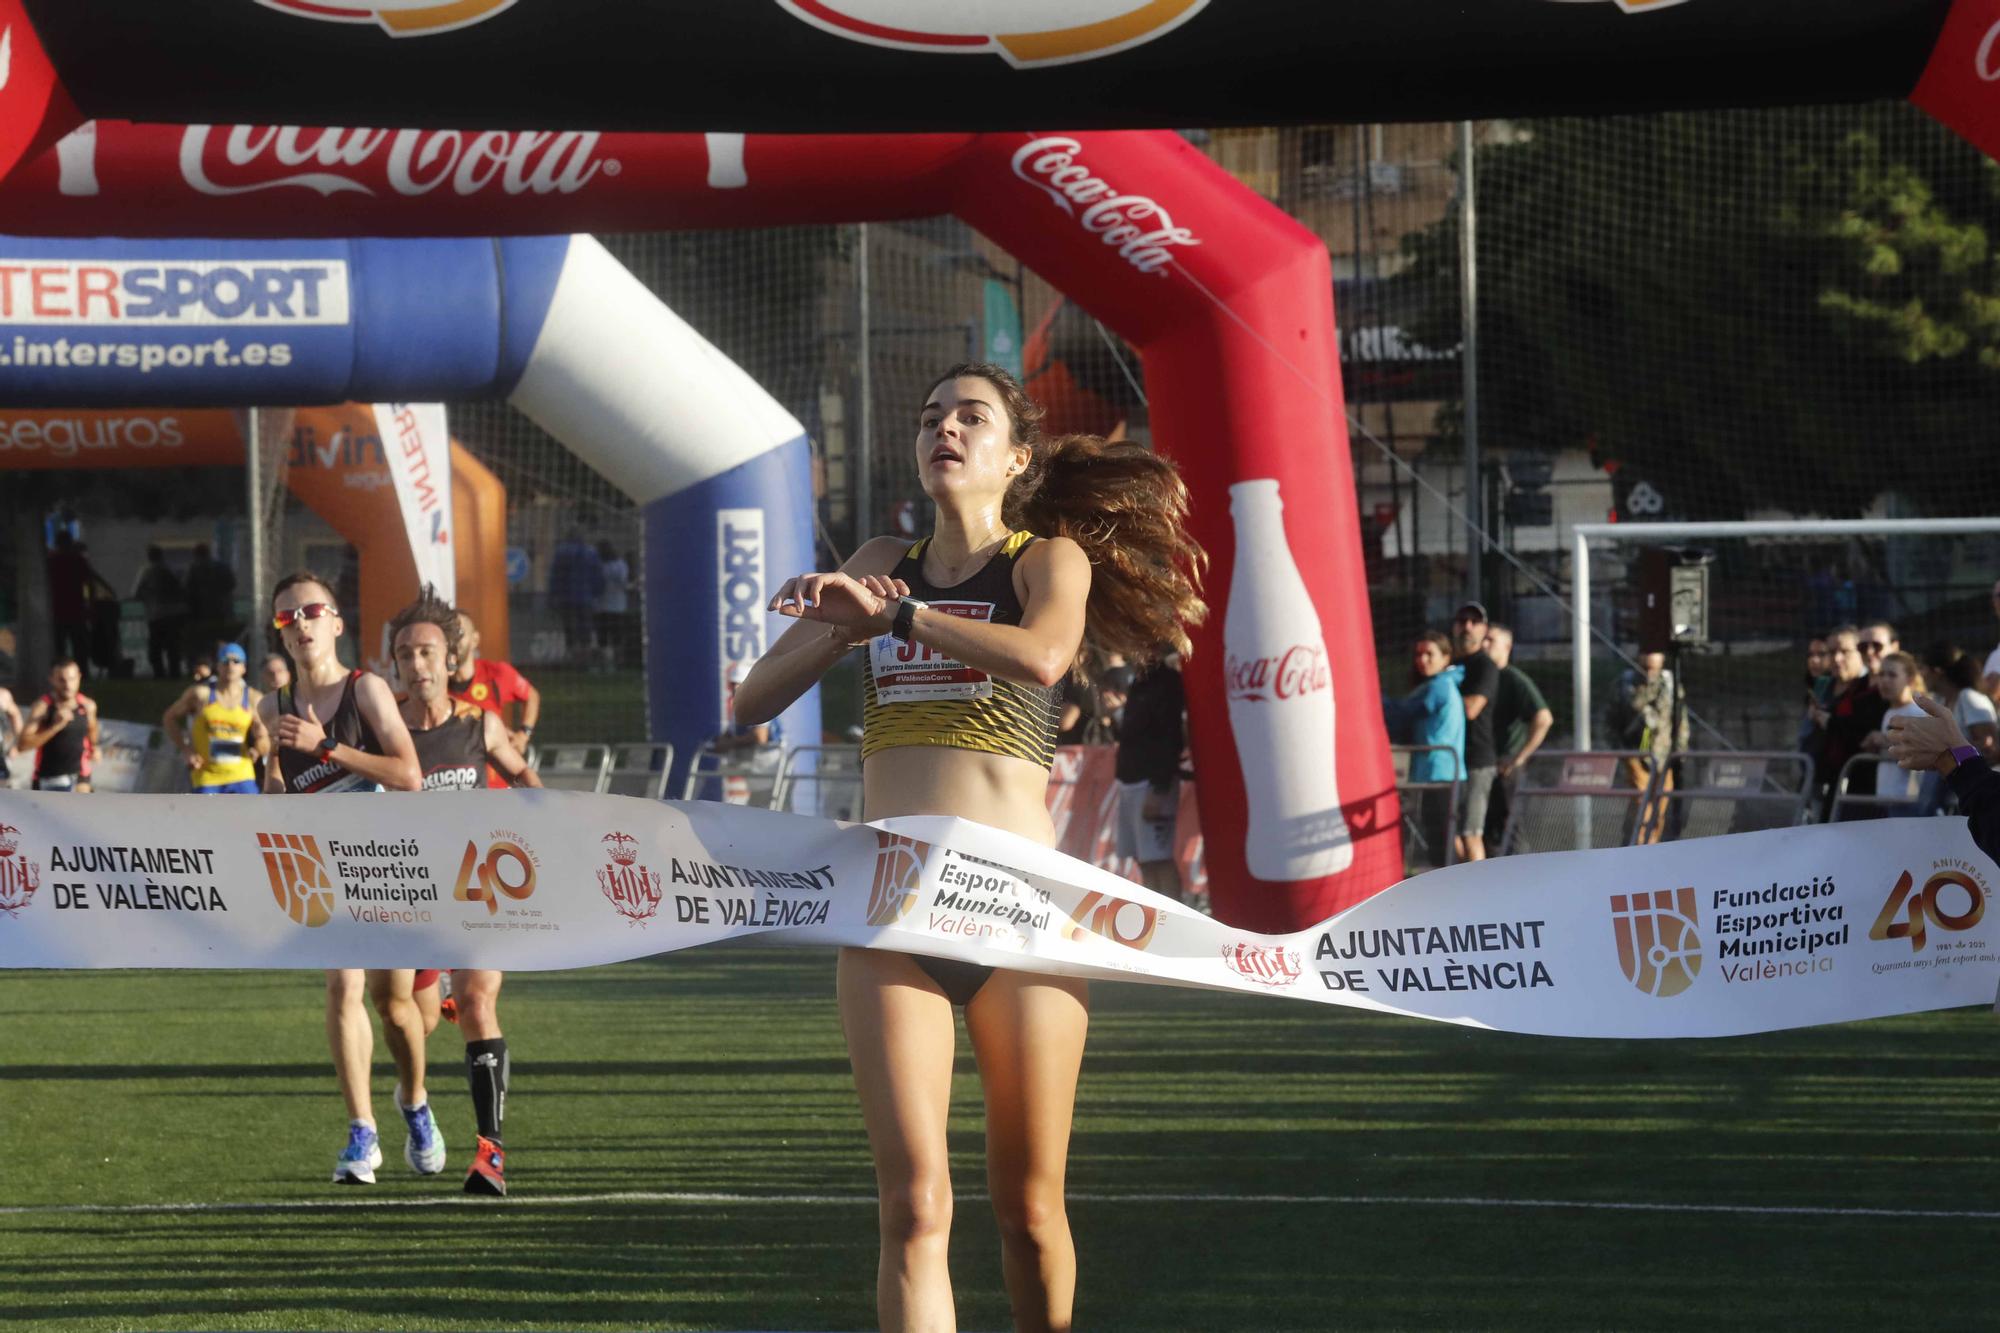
column 1024, row 33
column 398, row 18
column 1136, row 225
column 1298, row 671
column 411, row 163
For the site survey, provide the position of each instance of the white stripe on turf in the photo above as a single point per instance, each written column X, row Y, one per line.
column 860, row 1200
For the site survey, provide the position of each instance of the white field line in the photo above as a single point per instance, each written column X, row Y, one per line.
column 868, row 1200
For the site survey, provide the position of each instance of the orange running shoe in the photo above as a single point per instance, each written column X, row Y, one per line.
column 489, row 1169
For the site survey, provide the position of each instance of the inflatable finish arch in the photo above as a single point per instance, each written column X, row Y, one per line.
column 554, row 324
column 1227, row 299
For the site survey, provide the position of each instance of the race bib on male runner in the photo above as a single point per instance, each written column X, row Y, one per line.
column 907, row 673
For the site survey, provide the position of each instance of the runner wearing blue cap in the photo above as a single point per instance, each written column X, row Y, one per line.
column 226, row 738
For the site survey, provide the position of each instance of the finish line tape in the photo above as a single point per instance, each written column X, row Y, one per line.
column 1710, row 937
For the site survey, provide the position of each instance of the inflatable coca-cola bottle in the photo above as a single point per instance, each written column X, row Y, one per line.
column 1281, row 704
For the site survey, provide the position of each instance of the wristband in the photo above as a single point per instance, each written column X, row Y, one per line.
column 1961, row 754
column 905, row 622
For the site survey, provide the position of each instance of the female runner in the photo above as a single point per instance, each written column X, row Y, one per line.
column 1038, row 542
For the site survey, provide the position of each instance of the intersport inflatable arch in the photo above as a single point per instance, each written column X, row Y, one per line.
column 553, row 324
column 1227, row 299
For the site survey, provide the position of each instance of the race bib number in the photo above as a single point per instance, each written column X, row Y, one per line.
column 912, row 673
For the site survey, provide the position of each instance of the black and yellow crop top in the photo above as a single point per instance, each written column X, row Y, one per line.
column 914, row 695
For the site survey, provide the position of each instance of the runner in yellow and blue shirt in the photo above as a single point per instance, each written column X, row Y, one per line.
column 224, row 738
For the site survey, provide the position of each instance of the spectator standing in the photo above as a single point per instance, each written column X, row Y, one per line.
column 1522, row 719
column 613, row 607
column 1478, row 688
column 1876, row 641
column 158, row 589
column 274, row 673
column 1856, row 710
column 70, row 578
column 1819, row 694
column 1432, row 714
column 1647, row 719
column 211, row 597
column 746, row 748
column 1898, row 680
column 1152, row 735
column 496, row 687
column 1989, row 683
column 576, row 580
column 1954, row 678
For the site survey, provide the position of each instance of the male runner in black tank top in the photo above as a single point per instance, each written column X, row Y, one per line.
column 62, row 731
column 455, row 743
column 338, row 730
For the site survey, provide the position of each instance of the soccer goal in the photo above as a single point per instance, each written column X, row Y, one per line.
column 1773, row 585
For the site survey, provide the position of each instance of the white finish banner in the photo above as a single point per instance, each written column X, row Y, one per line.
column 417, row 446
column 1711, row 937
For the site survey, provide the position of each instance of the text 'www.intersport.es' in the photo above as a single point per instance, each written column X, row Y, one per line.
column 147, row 357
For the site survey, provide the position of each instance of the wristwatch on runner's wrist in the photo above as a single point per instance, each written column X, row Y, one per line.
column 1963, row 753
column 905, row 622
column 327, row 745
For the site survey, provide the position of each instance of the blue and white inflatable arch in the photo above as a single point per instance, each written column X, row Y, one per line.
column 555, row 325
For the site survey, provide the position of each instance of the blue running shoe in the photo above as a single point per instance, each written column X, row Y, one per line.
column 424, row 1150
column 357, row 1162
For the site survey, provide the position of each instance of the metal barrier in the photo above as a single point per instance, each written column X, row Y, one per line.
column 1706, row 793
column 1435, row 819
column 823, row 780
column 737, row 776
column 640, row 768
column 1567, row 800
column 573, row 767
column 1865, row 805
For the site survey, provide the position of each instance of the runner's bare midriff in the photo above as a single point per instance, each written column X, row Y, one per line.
column 1007, row 793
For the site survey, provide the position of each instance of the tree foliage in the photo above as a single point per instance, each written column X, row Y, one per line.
column 1796, row 309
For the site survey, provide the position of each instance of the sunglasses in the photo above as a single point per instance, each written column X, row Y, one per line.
column 310, row 611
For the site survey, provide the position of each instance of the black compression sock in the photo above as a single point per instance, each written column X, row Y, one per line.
column 486, row 1073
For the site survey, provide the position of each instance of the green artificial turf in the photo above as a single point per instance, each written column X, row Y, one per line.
column 1337, row 1169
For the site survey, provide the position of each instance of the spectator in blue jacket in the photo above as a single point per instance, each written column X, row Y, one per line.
column 576, row 580
column 1432, row 713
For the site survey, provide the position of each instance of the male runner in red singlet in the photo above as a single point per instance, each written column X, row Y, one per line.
column 338, row 731
column 494, row 686
column 62, row 731
column 456, row 744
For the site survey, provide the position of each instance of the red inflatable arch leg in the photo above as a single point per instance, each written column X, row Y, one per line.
column 1229, row 302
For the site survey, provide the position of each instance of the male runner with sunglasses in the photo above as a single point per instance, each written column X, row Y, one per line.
column 457, row 745
column 338, row 731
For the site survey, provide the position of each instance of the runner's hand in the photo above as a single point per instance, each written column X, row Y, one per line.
column 1918, row 743
column 193, row 761
column 835, row 599
column 300, row 733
